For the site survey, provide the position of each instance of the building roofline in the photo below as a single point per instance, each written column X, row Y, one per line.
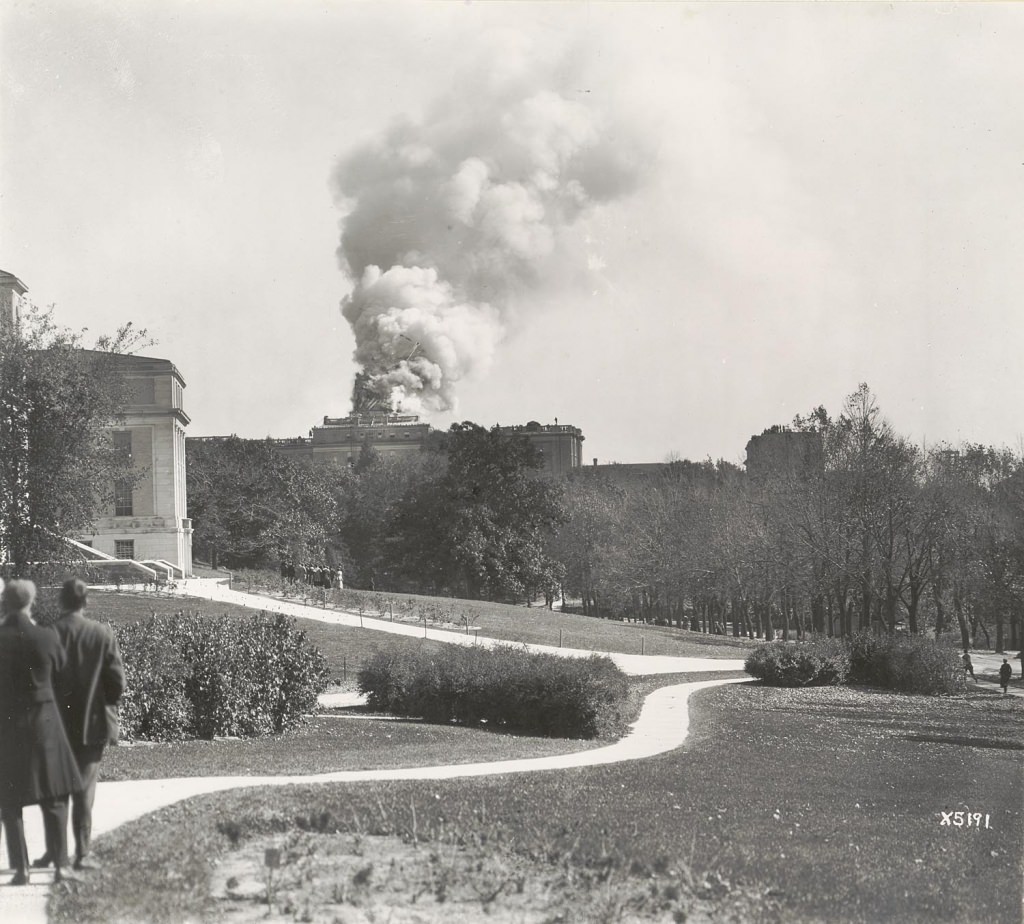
column 13, row 281
column 131, row 362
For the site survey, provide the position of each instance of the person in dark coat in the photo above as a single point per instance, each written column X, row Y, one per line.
column 36, row 763
column 1005, row 673
column 90, row 686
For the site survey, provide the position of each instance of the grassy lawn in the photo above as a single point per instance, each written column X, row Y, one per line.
column 539, row 626
column 328, row 743
column 790, row 806
column 345, row 648
column 353, row 739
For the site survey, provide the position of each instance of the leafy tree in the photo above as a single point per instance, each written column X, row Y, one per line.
column 843, row 525
column 369, row 502
column 251, row 504
column 593, row 508
column 58, row 466
column 480, row 529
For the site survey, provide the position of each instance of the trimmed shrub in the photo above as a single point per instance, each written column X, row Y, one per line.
column 909, row 663
column 814, row 663
column 190, row 676
column 505, row 687
column 867, row 659
column 154, row 706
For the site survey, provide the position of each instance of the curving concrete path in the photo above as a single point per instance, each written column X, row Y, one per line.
column 217, row 590
column 662, row 726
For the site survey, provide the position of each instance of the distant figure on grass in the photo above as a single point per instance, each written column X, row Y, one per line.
column 90, row 685
column 1005, row 673
column 37, row 766
column 969, row 665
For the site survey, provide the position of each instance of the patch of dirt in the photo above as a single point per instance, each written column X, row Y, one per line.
column 371, row 879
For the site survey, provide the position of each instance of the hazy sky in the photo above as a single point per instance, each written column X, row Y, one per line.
column 705, row 218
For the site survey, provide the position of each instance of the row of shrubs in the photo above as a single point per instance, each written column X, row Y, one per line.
column 195, row 676
column 505, row 687
column 910, row 664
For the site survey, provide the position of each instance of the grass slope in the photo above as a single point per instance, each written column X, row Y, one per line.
column 329, row 743
column 797, row 806
column 533, row 625
column 345, row 648
column 352, row 739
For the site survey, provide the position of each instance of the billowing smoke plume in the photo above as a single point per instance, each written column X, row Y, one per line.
column 452, row 221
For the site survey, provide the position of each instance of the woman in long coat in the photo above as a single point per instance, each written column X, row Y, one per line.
column 37, row 766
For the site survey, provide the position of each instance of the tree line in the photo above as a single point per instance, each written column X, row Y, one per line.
column 837, row 524
column 843, row 525
column 847, row 526
column 467, row 517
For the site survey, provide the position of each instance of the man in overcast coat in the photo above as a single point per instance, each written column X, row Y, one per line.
column 90, row 687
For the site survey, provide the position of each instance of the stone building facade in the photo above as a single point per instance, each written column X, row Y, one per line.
column 560, row 445
column 783, row 453
column 150, row 520
column 12, row 295
column 341, row 439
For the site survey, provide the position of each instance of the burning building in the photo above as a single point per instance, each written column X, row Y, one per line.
column 457, row 223
column 373, row 424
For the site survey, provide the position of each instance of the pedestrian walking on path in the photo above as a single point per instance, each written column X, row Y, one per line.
column 90, row 685
column 36, row 763
column 1005, row 673
column 969, row 665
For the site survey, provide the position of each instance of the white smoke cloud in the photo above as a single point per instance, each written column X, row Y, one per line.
column 452, row 220
column 416, row 338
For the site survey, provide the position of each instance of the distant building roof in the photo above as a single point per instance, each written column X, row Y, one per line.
column 9, row 280
column 144, row 365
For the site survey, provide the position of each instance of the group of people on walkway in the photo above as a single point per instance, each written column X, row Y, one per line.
column 60, row 686
column 314, row 575
column 1005, row 671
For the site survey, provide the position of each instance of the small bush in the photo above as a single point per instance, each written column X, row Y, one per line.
column 194, row 676
column 815, row 663
column 505, row 687
column 867, row 660
column 909, row 663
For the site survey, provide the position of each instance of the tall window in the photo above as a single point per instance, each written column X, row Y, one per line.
column 124, row 548
column 122, row 440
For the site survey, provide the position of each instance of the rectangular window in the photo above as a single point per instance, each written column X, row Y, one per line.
column 124, row 548
column 122, row 441
column 122, row 499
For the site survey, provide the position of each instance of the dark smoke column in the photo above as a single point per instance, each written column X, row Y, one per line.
column 450, row 221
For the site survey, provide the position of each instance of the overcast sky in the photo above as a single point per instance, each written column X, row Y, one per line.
column 703, row 218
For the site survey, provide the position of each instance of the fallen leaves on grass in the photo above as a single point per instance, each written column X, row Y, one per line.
column 359, row 878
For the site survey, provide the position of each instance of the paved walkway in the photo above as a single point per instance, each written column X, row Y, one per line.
column 662, row 726
column 638, row 665
column 988, row 663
